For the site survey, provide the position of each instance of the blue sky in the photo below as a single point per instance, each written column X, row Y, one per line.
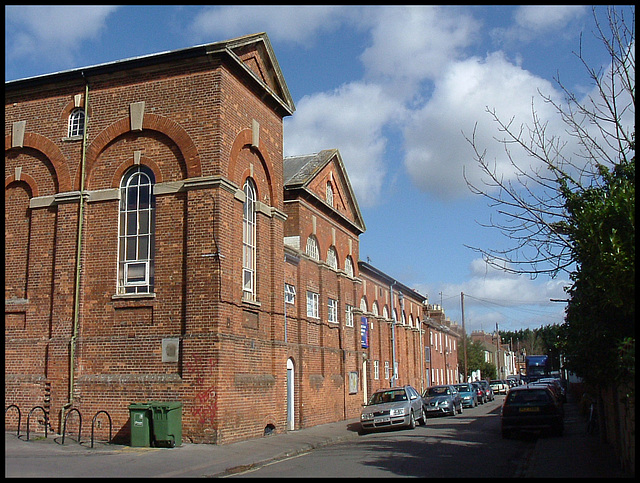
column 395, row 89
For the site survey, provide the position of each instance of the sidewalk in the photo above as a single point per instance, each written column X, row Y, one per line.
column 188, row 460
column 575, row 454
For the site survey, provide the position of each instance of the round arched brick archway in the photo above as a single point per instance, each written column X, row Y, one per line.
column 243, row 139
column 51, row 151
column 152, row 122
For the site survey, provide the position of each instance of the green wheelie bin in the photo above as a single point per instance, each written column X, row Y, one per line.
column 167, row 423
column 140, row 414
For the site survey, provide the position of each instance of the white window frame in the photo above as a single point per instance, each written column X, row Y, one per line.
column 313, row 305
column 348, row 266
column 348, row 315
column 329, row 193
column 76, row 122
column 386, row 369
column 376, row 370
column 249, row 241
column 332, row 257
column 312, row 250
column 332, row 310
column 289, row 294
column 136, row 231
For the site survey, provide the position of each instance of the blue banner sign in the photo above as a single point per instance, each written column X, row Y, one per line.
column 364, row 333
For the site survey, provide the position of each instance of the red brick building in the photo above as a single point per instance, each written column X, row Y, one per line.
column 169, row 252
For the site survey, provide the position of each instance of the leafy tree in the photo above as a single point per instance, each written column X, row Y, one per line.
column 476, row 360
column 575, row 212
column 601, row 312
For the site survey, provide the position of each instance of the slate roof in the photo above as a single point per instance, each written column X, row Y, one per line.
column 299, row 171
column 226, row 48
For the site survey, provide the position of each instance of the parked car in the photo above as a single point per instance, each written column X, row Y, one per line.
column 443, row 399
column 468, row 394
column 513, row 381
column 398, row 406
column 482, row 395
column 531, row 407
column 554, row 384
column 487, row 389
column 499, row 386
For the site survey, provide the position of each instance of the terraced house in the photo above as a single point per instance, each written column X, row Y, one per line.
column 159, row 247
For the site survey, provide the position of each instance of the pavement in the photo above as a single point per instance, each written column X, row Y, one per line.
column 575, row 454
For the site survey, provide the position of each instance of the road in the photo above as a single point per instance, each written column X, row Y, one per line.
column 465, row 445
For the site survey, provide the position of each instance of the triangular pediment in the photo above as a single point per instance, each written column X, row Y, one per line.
column 255, row 53
column 313, row 172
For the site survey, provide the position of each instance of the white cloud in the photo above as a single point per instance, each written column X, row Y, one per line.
column 436, row 150
column 350, row 119
column 416, row 42
column 45, row 31
column 287, row 23
column 536, row 22
column 492, row 296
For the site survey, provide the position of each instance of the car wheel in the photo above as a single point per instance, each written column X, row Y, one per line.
column 412, row 421
column 423, row 418
column 460, row 409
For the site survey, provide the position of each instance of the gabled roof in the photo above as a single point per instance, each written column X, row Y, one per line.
column 274, row 85
column 300, row 171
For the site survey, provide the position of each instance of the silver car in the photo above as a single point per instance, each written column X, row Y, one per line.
column 397, row 406
column 443, row 399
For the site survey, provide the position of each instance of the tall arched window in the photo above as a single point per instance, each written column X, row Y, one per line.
column 312, row 248
column 332, row 258
column 329, row 194
column 374, row 309
column 348, row 266
column 136, row 237
column 76, row 122
column 249, row 241
column 363, row 305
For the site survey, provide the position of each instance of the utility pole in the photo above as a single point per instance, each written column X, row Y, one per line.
column 497, row 352
column 464, row 337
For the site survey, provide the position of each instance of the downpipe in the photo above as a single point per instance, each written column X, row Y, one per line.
column 76, row 302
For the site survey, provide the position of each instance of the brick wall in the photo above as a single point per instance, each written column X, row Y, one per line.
column 206, row 127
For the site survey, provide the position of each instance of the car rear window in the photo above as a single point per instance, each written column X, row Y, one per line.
column 463, row 388
column 532, row 396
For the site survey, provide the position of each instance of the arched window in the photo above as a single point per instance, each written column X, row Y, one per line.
column 363, row 305
column 329, row 194
column 348, row 266
column 136, row 232
column 312, row 248
column 249, row 241
column 76, row 122
column 374, row 308
column 385, row 312
column 332, row 258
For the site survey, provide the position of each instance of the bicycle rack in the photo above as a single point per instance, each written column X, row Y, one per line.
column 64, row 425
column 46, row 420
column 19, row 415
column 93, row 421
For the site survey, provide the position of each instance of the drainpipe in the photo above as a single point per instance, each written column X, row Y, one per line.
column 76, row 301
column 394, row 375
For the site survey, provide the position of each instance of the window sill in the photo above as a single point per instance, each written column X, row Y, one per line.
column 251, row 303
column 72, row 138
column 125, row 296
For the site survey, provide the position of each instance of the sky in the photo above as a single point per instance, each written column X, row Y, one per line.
column 397, row 90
